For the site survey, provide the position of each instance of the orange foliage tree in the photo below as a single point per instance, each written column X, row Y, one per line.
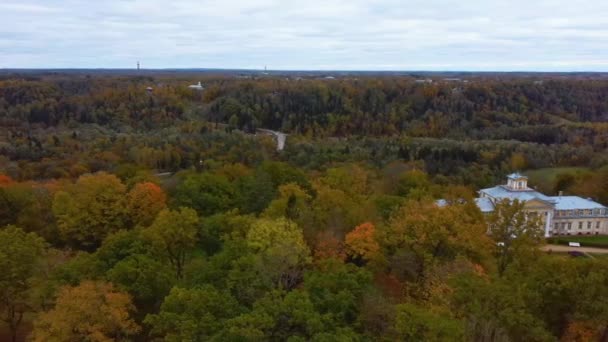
column 5, row 180
column 361, row 243
column 578, row 331
column 144, row 202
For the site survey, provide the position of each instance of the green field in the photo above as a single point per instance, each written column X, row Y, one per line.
column 543, row 179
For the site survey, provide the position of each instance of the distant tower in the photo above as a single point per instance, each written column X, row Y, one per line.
column 138, row 65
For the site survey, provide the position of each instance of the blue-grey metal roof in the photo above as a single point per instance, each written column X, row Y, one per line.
column 484, row 204
column 501, row 192
column 575, row 202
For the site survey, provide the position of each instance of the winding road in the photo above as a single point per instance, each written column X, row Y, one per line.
column 280, row 137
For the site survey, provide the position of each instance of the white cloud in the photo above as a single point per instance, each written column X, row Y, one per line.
column 312, row 34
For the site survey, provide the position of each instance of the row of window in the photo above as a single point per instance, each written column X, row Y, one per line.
column 568, row 225
column 581, row 212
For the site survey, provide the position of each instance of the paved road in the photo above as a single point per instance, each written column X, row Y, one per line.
column 561, row 248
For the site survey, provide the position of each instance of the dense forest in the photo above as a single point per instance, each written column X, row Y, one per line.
column 135, row 208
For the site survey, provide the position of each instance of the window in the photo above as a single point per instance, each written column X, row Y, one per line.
column 580, row 225
column 556, row 226
column 589, row 225
column 563, row 225
column 597, row 225
column 580, row 212
column 569, row 225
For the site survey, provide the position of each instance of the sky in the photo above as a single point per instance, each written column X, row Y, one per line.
column 435, row 35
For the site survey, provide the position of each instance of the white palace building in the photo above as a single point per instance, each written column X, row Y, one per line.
column 561, row 215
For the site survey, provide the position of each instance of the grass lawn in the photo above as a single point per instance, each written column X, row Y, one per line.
column 595, row 240
column 543, row 179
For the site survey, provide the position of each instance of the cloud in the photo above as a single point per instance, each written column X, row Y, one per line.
column 313, row 34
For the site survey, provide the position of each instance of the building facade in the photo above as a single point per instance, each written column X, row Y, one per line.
column 561, row 215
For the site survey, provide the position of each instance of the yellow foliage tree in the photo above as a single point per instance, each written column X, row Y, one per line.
column 90, row 210
column 280, row 247
column 91, row 311
column 292, row 203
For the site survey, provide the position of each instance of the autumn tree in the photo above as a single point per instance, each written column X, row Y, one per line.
column 91, row 311
column 328, row 246
column 414, row 184
column 352, row 179
column 272, row 255
column 173, row 233
column 90, row 210
column 292, row 203
column 28, row 206
column 361, row 243
column 5, row 180
column 280, row 247
column 421, row 236
column 144, row 202
column 334, row 211
column 20, row 255
column 516, row 232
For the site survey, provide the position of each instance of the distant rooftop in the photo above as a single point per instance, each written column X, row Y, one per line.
column 198, row 86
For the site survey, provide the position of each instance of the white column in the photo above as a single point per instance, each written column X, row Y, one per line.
column 548, row 223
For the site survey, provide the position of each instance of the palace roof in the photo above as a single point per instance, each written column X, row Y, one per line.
column 501, row 192
column 484, row 204
column 574, row 202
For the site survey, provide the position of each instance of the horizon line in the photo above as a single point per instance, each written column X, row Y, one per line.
column 305, row 70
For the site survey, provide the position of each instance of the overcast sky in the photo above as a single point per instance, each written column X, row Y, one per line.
column 538, row 35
